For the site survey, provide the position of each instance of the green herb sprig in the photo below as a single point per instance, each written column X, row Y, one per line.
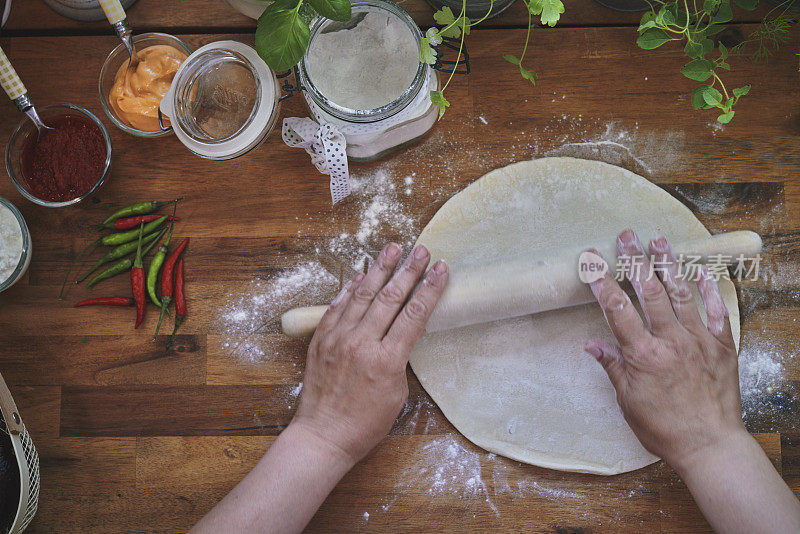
column 548, row 11
column 686, row 20
column 770, row 34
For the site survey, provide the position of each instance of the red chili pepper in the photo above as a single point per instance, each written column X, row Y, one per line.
column 166, row 281
column 106, row 301
column 137, row 282
column 132, row 222
column 180, row 302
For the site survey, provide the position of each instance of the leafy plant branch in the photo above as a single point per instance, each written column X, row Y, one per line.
column 677, row 21
column 548, row 11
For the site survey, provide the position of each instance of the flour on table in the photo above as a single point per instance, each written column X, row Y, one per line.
column 258, row 309
column 381, row 215
column 446, row 467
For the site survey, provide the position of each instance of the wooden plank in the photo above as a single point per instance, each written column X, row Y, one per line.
column 112, row 360
column 211, row 15
column 236, row 410
column 88, row 485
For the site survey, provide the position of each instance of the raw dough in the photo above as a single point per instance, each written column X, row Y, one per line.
column 524, row 387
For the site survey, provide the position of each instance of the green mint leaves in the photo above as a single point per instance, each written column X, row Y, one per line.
column 283, row 33
column 332, row 9
column 652, row 37
column 677, row 21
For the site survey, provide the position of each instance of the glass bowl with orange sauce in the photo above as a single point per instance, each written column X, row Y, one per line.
column 60, row 167
column 144, row 121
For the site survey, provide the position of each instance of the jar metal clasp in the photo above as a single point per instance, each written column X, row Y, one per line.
column 446, row 65
column 286, row 86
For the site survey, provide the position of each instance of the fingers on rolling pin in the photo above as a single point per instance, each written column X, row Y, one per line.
column 529, row 284
column 649, row 289
column 377, row 276
column 717, row 317
column 339, row 304
column 410, row 323
column 391, row 297
column 620, row 314
column 678, row 288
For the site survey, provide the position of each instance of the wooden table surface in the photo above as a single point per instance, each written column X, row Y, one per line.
column 133, row 438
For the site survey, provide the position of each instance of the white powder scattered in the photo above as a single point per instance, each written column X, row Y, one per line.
column 483, row 119
column 10, row 243
column 295, row 392
column 366, row 516
column 381, row 217
column 446, row 467
column 768, row 398
column 376, row 61
column 373, row 215
column 645, row 154
column 258, row 309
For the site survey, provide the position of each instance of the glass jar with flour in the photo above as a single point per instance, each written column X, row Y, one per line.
column 364, row 80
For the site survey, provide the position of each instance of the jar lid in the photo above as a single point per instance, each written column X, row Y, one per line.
column 223, row 100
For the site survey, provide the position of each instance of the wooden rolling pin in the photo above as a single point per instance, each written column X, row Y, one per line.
column 529, row 284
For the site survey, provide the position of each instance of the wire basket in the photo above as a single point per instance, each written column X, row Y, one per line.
column 27, row 460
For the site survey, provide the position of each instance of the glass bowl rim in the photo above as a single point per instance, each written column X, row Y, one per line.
column 104, row 98
column 90, row 192
column 365, row 115
column 26, row 245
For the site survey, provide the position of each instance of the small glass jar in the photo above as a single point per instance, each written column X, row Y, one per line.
column 25, row 253
column 114, row 61
column 223, row 102
column 25, row 129
column 385, row 127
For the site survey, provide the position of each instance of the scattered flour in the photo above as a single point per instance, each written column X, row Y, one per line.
column 446, row 467
column 768, row 399
column 295, row 392
column 258, row 309
column 381, row 216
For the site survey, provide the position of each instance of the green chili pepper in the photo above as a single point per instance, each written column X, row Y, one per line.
column 158, row 261
column 122, row 266
column 116, row 253
column 140, row 208
column 112, row 240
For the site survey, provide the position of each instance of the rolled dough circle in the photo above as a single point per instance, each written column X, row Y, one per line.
column 524, row 387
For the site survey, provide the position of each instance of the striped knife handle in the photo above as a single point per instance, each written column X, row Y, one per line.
column 9, row 78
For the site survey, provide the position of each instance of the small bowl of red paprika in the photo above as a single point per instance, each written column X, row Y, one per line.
column 62, row 166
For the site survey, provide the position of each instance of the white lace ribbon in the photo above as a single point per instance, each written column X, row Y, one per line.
column 327, row 147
